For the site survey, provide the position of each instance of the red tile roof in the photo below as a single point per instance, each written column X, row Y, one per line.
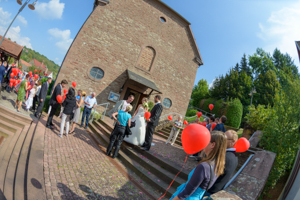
column 38, row 64
column 11, row 48
column 25, row 63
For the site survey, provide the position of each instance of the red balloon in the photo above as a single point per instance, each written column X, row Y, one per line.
column 199, row 114
column 213, row 125
column 59, row 98
column 65, row 91
column 64, row 97
column 12, row 75
column 194, row 138
column 29, row 87
column 10, row 84
column 204, row 124
column 170, row 117
column 147, row 115
column 30, row 73
column 35, row 70
column 12, row 81
column 242, row 145
column 36, row 76
column 28, row 83
column 40, row 71
column 211, row 106
column 20, row 67
column 74, row 84
column 16, row 73
column 185, row 122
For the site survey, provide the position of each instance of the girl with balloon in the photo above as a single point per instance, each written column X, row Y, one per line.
column 209, row 169
column 175, row 130
column 29, row 100
column 24, row 86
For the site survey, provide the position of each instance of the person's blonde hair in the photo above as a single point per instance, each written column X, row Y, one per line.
column 39, row 83
column 128, row 108
column 146, row 99
column 217, row 155
column 83, row 93
column 235, row 136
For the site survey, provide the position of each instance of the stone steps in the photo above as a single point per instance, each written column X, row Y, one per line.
column 166, row 133
column 14, row 150
column 152, row 170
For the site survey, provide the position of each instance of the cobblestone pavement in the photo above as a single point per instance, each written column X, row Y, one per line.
column 75, row 168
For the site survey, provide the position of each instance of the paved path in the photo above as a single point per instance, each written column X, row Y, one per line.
column 75, row 168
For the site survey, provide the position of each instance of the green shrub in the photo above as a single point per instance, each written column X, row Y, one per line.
column 151, row 105
column 234, row 113
column 191, row 112
column 46, row 103
column 97, row 115
column 219, row 108
column 206, row 104
column 280, row 125
column 258, row 117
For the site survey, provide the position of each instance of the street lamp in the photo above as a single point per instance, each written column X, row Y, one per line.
column 31, row 6
column 251, row 94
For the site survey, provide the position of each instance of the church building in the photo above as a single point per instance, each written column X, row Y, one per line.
column 139, row 47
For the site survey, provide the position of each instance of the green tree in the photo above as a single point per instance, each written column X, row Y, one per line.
column 261, row 62
column 244, row 67
column 200, row 91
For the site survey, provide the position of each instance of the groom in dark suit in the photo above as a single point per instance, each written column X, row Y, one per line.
column 152, row 122
column 53, row 102
column 42, row 96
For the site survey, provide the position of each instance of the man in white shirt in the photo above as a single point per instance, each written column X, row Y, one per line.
column 90, row 103
column 121, row 105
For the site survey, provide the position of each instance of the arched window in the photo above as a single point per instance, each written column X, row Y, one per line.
column 146, row 58
column 97, row 73
column 167, row 103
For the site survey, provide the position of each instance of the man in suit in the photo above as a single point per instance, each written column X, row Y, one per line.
column 53, row 102
column 152, row 122
column 121, row 105
column 42, row 96
column 2, row 74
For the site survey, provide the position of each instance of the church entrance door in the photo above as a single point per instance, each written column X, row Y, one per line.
column 135, row 102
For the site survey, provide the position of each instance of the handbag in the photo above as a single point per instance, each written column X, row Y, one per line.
column 132, row 124
column 211, row 174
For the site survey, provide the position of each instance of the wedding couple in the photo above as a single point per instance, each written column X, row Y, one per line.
column 141, row 135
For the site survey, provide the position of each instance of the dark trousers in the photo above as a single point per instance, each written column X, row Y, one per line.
column 86, row 114
column 40, row 107
column 149, row 136
column 116, row 139
column 52, row 113
column 35, row 100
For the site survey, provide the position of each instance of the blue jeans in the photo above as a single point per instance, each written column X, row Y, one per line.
column 86, row 114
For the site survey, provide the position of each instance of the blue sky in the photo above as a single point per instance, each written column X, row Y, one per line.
column 224, row 30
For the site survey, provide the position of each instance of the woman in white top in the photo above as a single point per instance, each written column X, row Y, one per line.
column 35, row 99
column 139, row 131
column 30, row 98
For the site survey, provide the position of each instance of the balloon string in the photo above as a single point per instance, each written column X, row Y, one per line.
column 174, row 179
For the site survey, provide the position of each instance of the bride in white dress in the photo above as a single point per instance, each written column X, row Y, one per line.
column 139, row 131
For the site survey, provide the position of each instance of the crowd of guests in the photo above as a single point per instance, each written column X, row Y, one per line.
column 70, row 108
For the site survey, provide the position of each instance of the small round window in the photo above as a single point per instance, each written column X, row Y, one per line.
column 97, row 73
column 167, row 103
column 162, row 19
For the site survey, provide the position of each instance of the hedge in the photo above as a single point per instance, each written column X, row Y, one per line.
column 191, row 112
column 234, row 113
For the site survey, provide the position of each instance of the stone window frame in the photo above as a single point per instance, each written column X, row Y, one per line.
column 164, row 105
column 164, row 18
column 153, row 62
column 92, row 78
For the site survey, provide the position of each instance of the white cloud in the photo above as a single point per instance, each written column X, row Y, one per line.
column 22, row 19
column 14, row 33
column 210, row 86
column 63, row 37
column 282, row 30
column 4, row 17
column 52, row 10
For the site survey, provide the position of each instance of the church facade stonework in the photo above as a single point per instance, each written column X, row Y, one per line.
column 141, row 38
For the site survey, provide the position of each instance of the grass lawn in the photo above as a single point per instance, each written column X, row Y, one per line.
column 194, row 118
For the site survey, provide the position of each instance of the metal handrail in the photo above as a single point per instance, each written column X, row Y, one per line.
column 203, row 111
column 104, row 110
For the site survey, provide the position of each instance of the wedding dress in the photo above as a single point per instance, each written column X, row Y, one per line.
column 139, row 131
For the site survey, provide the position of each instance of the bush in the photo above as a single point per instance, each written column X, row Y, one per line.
column 280, row 126
column 219, row 108
column 234, row 113
column 206, row 104
column 151, row 105
column 191, row 112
